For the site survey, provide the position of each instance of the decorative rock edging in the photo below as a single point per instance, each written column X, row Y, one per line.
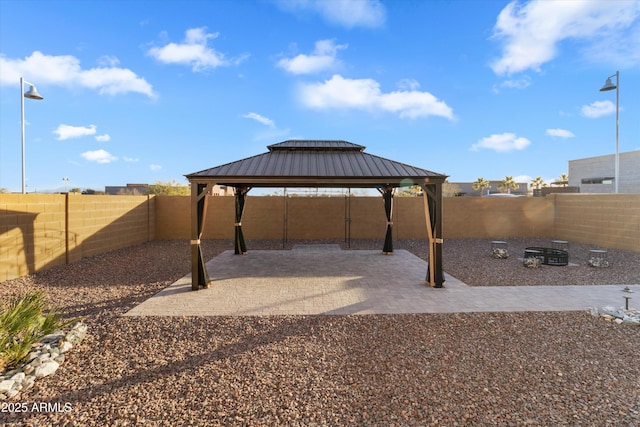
column 619, row 316
column 43, row 361
column 598, row 262
column 500, row 253
column 531, row 262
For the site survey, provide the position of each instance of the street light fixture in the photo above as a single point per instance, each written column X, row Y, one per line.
column 32, row 93
column 608, row 85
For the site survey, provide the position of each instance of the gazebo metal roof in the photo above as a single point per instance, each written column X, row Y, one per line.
column 316, row 163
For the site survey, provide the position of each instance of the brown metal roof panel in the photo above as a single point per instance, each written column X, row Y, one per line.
column 355, row 162
column 378, row 165
column 263, row 164
column 277, row 164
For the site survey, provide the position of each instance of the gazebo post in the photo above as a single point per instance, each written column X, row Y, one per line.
column 387, row 195
column 432, row 196
column 439, row 279
column 199, row 275
column 240, row 246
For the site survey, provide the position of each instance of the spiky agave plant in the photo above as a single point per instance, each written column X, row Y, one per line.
column 23, row 323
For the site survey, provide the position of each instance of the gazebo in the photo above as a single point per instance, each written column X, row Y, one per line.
column 316, row 164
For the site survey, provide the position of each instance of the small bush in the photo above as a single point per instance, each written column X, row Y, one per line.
column 23, row 323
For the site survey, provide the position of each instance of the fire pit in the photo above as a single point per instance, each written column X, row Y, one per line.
column 547, row 256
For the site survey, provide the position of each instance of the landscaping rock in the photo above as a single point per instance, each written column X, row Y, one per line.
column 46, row 368
column 43, row 361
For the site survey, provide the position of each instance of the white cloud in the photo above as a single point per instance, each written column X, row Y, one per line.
column 155, row 167
column 560, row 133
column 68, row 132
column 108, row 61
column 531, row 31
column 503, row 142
column 130, row 159
column 598, row 109
column 519, row 84
column 192, row 51
column 408, row 84
column 345, row 13
column 260, row 119
column 365, row 94
column 322, row 58
column 272, row 132
column 103, row 138
column 99, row 156
column 65, row 70
column 621, row 48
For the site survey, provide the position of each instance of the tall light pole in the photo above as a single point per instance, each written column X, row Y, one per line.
column 32, row 93
column 608, row 85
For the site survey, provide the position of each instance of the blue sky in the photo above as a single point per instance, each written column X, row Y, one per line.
column 147, row 91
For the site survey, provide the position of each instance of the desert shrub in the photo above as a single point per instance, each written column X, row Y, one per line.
column 23, row 323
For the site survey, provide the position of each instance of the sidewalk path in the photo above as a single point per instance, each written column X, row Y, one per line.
column 322, row 279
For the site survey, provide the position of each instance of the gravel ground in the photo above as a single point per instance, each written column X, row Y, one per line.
column 511, row 369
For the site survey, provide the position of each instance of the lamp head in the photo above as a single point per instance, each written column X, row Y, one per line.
column 608, row 85
column 32, row 93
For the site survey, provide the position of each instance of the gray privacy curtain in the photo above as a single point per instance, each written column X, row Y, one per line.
column 387, row 195
column 240, row 246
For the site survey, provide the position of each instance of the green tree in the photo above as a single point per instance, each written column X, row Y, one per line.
column 171, row 188
column 413, row 191
column 563, row 180
column 480, row 184
column 450, row 189
column 507, row 184
column 538, row 183
column 3, row 190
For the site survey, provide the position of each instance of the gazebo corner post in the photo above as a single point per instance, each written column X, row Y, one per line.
column 387, row 195
column 439, row 273
column 240, row 245
column 432, row 196
column 199, row 275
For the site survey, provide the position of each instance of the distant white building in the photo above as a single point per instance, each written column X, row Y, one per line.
column 596, row 174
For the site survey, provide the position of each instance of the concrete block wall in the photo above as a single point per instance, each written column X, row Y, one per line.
column 497, row 217
column 324, row 217
column 603, row 220
column 32, row 233
column 98, row 224
column 173, row 217
column 39, row 231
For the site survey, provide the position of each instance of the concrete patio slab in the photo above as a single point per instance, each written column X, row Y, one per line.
column 321, row 280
